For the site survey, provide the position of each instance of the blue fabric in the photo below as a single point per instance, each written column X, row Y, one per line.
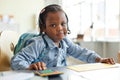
column 23, row 41
column 51, row 55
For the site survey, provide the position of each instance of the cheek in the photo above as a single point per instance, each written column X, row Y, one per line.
column 50, row 32
column 65, row 30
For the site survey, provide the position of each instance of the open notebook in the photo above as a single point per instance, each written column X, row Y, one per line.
column 93, row 66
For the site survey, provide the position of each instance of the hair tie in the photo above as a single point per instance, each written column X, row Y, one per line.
column 42, row 11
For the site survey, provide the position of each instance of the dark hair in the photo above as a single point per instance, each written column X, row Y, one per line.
column 45, row 11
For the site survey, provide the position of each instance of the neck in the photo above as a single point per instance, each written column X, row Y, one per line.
column 57, row 44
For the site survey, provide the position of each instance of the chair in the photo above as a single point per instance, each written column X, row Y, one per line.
column 8, row 40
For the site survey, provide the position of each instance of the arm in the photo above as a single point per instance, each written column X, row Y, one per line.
column 84, row 54
column 24, row 58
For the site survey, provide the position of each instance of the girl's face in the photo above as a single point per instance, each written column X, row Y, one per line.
column 56, row 26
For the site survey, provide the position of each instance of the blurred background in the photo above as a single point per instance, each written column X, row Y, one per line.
column 94, row 24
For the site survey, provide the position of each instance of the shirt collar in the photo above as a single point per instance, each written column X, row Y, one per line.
column 51, row 44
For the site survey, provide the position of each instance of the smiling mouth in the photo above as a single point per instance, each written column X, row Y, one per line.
column 60, row 34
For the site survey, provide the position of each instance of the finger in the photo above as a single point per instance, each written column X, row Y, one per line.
column 35, row 67
column 43, row 65
column 39, row 66
column 106, row 60
column 112, row 61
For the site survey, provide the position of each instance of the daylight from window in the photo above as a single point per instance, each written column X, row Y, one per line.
column 97, row 20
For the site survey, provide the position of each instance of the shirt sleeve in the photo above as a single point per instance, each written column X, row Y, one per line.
column 80, row 53
column 26, row 56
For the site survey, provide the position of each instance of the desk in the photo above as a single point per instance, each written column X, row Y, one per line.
column 99, row 74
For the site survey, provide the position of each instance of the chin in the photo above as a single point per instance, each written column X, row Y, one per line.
column 60, row 37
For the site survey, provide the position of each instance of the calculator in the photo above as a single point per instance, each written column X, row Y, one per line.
column 48, row 72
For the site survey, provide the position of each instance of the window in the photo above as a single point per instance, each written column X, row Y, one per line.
column 96, row 19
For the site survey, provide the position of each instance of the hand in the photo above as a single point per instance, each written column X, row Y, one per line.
column 108, row 60
column 37, row 66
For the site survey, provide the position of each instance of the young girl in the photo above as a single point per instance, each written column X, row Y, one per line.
column 51, row 48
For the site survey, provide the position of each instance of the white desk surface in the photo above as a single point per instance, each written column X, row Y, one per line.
column 99, row 74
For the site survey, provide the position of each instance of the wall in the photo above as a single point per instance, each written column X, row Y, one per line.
column 104, row 49
column 24, row 12
column 47, row 2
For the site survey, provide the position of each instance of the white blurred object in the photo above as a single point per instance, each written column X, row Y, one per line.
column 11, row 19
column 5, row 19
column 8, row 41
column 14, row 75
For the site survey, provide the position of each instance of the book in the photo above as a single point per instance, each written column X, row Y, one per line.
column 93, row 66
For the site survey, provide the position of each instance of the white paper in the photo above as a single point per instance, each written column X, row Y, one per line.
column 12, row 75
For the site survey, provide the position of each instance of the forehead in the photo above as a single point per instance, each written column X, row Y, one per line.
column 56, row 16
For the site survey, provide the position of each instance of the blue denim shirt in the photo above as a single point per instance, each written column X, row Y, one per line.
column 44, row 49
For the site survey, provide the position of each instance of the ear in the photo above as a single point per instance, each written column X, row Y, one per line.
column 43, row 30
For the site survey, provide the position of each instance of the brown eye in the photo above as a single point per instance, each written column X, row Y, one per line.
column 64, row 24
column 53, row 25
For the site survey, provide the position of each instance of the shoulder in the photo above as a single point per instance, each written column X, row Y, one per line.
column 37, row 39
column 67, row 40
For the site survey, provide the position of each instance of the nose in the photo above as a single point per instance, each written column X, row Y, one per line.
column 59, row 27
